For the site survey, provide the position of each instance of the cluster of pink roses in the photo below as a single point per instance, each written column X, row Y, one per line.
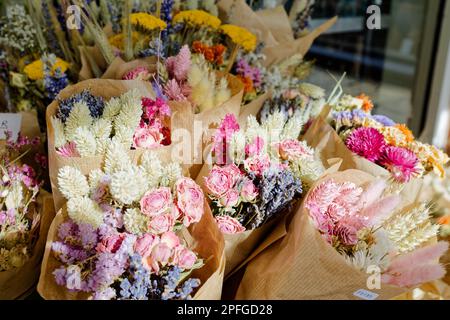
column 165, row 250
column 152, row 132
column 164, row 211
column 228, row 186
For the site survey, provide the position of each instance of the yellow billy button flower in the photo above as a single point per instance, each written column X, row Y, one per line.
column 147, row 21
column 35, row 70
column 240, row 36
column 197, row 18
column 118, row 40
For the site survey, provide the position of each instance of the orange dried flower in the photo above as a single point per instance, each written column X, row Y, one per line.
column 367, row 102
column 445, row 220
column 198, row 47
column 248, row 84
column 405, row 130
column 209, row 55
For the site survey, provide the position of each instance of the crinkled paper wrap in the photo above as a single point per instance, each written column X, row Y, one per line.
column 302, row 265
column 272, row 27
column 18, row 283
column 204, row 238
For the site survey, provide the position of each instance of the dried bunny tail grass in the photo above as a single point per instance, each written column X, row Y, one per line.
column 85, row 142
column 152, row 167
column 408, row 229
column 294, row 126
column 116, row 158
column 222, row 92
column 59, row 135
column 112, row 109
column 85, row 210
column 80, row 116
column 72, row 183
column 202, row 94
column 102, row 129
column 124, row 135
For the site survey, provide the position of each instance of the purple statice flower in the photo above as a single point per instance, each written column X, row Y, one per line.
column 60, row 276
column 184, row 293
column 95, row 104
column 110, row 266
column 244, row 69
column 113, row 216
column 105, row 294
column 68, row 229
column 69, row 254
column 349, row 118
column 385, row 121
column 138, row 287
column 88, row 236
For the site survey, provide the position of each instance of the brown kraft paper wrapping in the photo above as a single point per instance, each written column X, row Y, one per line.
column 277, row 21
column 252, row 109
column 327, row 143
column 302, row 265
column 204, row 236
column 18, row 283
column 239, row 13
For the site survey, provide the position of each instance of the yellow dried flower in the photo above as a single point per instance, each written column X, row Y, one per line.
column 394, row 136
column 118, row 40
column 240, row 36
column 197, row 18
column 35, row 70
column 432, row 158
column 147, row 21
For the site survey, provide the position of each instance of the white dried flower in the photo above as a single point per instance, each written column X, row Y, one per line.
column 85, row 142
column 237, row 147
column 130, row 114
column 102, row 128
column 129, row 185
column 294, row 126
column 85, row 210
column 171, row 173
column 112, row 109
column 80, row 116
column 116, row 158
column 152, row 167
column 124, row 135
column 95, row 177
column 222, row 92
column 72, row 183
column 135, row 222
column 58, row 131
column 14, row 198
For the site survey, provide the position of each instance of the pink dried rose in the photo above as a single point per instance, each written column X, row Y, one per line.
column 291, row 149
column 230, row 199
column 160, row 255
column 156, row 202
column 184, row 258
column 219, row 181
column 234, row 171
column 139, row 73
column 257, row 164
column 147, row 137
column 190, row 200
column 254, row 148
column 229, row 225
column 170, row 239
column 162, row 223
column 110, row 244
column 144, row 244
column 249, row 192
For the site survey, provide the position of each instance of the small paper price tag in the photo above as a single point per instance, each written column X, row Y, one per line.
column 10, row 122
column 365, row 294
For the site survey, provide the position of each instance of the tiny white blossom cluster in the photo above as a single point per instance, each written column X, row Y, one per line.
column 121, row 117
column 124, row 182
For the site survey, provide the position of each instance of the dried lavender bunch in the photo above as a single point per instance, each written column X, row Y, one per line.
column 96, row 104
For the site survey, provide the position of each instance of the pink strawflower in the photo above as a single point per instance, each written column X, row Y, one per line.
column 401, row 162
column 178, row 66
column 254, row 148
column 366, row 142
column 69, row 150
column 154, row 109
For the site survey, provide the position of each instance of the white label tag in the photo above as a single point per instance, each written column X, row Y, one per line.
column 365, row 294
column 10, row 122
